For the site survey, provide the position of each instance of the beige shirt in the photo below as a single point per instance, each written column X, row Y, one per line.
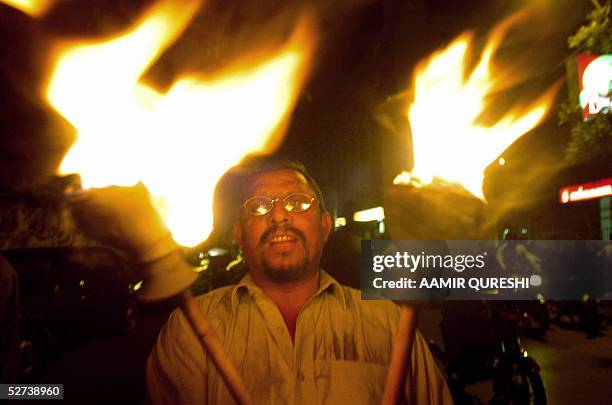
column 340, row 356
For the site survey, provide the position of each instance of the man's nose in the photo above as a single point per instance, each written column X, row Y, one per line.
column 279, row 214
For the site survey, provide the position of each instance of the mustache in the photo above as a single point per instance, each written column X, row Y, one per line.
column 281, row 228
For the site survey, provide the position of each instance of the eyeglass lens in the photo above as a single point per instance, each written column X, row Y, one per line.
column 261, row 205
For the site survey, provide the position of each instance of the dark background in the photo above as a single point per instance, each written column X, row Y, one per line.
column 362, row 72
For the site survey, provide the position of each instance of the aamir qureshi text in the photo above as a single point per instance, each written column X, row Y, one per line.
column 475, row 283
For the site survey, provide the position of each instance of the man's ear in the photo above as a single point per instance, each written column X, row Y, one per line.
column 237, row 232
column 326, row 222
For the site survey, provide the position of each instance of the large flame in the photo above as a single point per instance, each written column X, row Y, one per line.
column 448, row 142
column 179, row 143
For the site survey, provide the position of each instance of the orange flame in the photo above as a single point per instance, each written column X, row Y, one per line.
column 34, row 8
column 448, row 143
column 179, row 143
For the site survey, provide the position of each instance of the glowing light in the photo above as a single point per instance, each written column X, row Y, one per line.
column 213, row 252
column 34, row 8
column 204, row 265
column 535, row 280
column 595, row 94
column 565, row 196
column 340, row 222
column 234, row 263
column 179, row 143
column 448, row 141
column 371, row 214
column 586, row 191
column 501, row 161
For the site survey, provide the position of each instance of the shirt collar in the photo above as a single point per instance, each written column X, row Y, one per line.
column 327, row 284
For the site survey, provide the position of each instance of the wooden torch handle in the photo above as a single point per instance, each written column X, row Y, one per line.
column 400, row 356
column 203, row 329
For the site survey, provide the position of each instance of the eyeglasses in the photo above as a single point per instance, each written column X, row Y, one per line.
column 261, row 205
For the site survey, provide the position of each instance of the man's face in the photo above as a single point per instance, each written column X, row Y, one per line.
column 282, row 246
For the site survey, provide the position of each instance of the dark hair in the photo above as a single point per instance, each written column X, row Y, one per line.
column 229, row 193
column 254, row 166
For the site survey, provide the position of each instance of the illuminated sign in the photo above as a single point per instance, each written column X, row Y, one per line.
column 587, row 191
column 371, row 214
column 595, row 83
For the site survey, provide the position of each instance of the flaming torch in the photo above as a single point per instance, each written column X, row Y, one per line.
column 451, row 153
column 178, row 143
column 442, row 197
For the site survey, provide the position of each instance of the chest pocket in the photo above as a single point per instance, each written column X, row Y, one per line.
column 353, row 382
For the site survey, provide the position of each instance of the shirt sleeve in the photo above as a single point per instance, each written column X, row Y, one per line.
column 176, row 371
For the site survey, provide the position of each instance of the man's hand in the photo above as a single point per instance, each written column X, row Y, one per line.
column 124, row 218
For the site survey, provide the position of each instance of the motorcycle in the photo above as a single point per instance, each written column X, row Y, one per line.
column 482, row 345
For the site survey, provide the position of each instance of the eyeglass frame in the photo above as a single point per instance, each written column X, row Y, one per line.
column 274, row 200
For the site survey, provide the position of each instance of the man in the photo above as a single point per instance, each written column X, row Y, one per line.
column 295, row 335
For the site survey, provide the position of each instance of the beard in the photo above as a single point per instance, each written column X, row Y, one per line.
column 285, row 272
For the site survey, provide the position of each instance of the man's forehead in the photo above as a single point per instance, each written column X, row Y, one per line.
column 277, row 179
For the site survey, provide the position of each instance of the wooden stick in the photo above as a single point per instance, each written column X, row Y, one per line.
column 203, row 329
column 400, row 356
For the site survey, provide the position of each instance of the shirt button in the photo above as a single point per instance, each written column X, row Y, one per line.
column 300, row 376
